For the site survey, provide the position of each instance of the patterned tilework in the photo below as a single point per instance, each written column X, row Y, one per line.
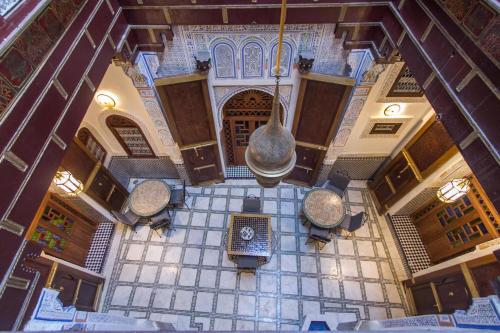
column 185, row 276
column 99, row 247
column 418, row 202
column 411, row 244
column 237, row 172
column 358, row 167
column 124, row 168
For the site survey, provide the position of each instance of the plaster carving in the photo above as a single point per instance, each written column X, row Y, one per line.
column 372, row 74
column 247, row 51
column 141, row 78
column 392, row 76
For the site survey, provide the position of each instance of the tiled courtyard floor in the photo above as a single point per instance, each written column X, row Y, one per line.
column 186, row 278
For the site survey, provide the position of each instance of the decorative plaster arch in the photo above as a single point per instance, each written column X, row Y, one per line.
column 264, row 51
column 224, row 41
column 272, row 45
column 269, row 90
column 144, row 128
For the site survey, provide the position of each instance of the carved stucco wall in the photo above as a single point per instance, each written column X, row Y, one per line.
column 248, row 51
column 153, row 108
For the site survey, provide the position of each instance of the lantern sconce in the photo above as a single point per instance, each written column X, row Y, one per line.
column 453, row 190
column 68, row 183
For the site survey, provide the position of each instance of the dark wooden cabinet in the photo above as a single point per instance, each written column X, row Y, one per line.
column 77, row 288
column 424, row 154
column 453, row 286
column 320, row 108
column 453, row 293
column 186, row 105
column 99, row 183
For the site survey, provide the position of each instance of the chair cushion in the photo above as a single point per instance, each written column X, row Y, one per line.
column 177, row 197
column 251, row 205
column 319, row 233
column 247, row 262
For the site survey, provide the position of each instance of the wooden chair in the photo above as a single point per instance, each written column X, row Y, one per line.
column 338, row 183
column 319, row 235
column 251, row 204
column 353, row 223
column 161, row 220
column 128, row 218
column 178, row 196
column 247, row 264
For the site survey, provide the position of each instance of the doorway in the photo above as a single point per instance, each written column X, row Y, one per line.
column 242, row 115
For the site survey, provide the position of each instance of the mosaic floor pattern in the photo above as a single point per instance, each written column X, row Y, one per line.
column 185, row 277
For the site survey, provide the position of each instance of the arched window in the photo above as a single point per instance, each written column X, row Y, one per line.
column 286, row 59
column 92, row 144
column 253, row 60
column 130, row 136
column 223, row 55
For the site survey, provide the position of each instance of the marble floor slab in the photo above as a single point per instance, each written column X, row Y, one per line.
column 184, row 277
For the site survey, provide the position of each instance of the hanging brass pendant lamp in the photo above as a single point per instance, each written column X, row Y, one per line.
column 270, row 154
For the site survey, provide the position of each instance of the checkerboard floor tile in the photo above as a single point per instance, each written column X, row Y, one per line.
column 185, row 277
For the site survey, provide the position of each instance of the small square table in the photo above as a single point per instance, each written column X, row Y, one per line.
column 249, row 235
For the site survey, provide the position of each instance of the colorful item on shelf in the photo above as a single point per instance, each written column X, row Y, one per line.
column 48, row 239
column 58, row 220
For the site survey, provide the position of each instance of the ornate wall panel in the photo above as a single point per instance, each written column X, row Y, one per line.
column 247, row 51
column 22, row 58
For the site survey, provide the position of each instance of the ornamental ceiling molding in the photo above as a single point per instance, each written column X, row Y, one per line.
column 224, row 93
column 188, row 41
column 392, row 76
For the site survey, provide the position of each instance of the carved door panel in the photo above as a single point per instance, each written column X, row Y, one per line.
column 423, row 297
column 202, row 163
column 241, row 130
column 320, row 108
column 187, row 108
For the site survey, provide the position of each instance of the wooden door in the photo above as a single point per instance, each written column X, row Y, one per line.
column 320, row 108
column 186, row 106
column 62, row 231
column 424, row 154
column 242, row 115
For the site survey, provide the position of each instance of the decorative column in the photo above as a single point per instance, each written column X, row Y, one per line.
column 358, row 99
column 153, row 108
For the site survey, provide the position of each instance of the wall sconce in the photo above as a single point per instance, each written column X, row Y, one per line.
column 69, row 184
column 392, row 110
column 453, row 190
column 105, row 100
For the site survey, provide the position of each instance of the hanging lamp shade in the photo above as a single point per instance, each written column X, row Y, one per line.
column 453, row 190
column 68, row 183
column 270, row 153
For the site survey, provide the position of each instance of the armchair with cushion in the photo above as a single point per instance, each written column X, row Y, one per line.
column 352, row 223
column 160, row 220
column 338, row 183
column 128, row 218
column 178, row 196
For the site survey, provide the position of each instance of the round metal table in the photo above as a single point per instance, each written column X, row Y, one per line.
column 149, row 198
column 323, row 208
